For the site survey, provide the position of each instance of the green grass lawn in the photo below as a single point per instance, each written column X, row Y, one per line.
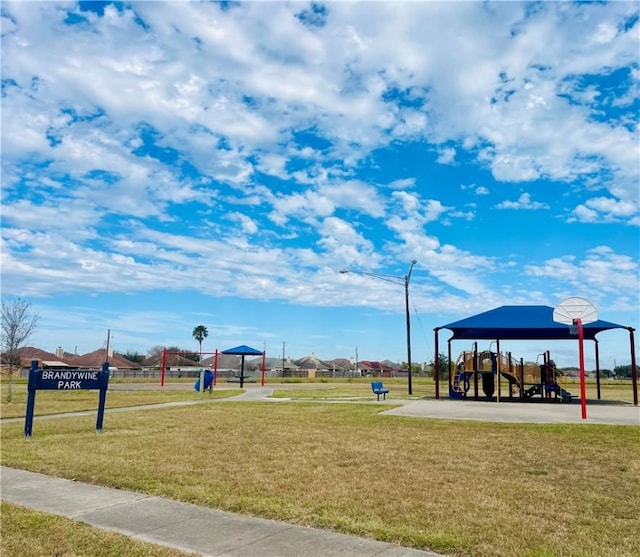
column 460, row 488
column 54, row 402
column 28, row 533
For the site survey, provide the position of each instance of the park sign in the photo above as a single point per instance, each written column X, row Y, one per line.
column 56, row 380
column 65, row 380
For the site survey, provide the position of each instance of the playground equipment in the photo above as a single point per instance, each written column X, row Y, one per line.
column 205, row 379
column 525, row 380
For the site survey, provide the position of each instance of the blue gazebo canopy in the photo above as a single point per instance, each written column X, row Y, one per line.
column 521, row 323
column 243, row 350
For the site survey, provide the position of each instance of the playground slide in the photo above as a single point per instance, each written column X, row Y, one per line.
column 511, row 377
column 555, row 388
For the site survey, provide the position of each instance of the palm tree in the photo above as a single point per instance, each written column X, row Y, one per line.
column 200, row 333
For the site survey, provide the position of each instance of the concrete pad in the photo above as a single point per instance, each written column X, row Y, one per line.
column 520, row 412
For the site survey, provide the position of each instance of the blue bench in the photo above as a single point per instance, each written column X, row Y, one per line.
column 378, row 389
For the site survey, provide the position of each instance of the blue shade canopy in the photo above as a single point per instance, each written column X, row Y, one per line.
column 521, row 323
column 243, row 350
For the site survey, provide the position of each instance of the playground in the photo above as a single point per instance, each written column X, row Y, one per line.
column 485, row 370
column 491, row 372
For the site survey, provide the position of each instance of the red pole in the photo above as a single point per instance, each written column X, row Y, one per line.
column 215, row 369
column 164, row 364
column 634, row 367
column 436, row 361
column 264, row 365
column 583, row 390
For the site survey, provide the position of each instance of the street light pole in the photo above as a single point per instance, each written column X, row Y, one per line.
column 404, row 281
column 407, row 278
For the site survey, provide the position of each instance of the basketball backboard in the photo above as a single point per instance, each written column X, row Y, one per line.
column 574, row 308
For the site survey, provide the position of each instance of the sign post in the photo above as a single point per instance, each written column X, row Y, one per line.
column 65, row 380
column 574, row 312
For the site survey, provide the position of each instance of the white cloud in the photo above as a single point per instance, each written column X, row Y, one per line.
column 248, row 225
column 295, row 74
column 405, row 183
column 446, row 155
column 606, row 209
column 584, row 214
column 600, row 273
column 524, row 202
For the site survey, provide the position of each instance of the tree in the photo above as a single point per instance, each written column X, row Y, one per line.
column 443, row 363
column 622, row 371
column 18, row 323
column 135, row 357
column 155, row 351
column 200, row 333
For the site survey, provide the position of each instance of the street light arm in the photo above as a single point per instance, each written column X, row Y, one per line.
column 408, row 277
column 387, row 278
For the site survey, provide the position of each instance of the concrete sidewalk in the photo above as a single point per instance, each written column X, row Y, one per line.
column 203, row 531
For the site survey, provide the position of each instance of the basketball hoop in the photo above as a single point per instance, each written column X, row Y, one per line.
column 575, row 312
column 572, row 309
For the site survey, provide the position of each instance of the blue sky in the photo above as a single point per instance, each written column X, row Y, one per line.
column 166, row 165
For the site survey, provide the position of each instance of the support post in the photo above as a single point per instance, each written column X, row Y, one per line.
column 597, row 367
column 215, row 368
column 102, row 399
column 634, row 368
column 436, row 361
column 475, row 371
column 31, row 398
column 449, row 358
column 498, row 369
column 408, row 316
column 164, row 366
column 583, row 389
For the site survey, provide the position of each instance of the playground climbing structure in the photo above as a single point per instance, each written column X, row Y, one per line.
column 491, row 371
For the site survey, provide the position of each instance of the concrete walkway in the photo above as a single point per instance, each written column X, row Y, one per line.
column 199, row 530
